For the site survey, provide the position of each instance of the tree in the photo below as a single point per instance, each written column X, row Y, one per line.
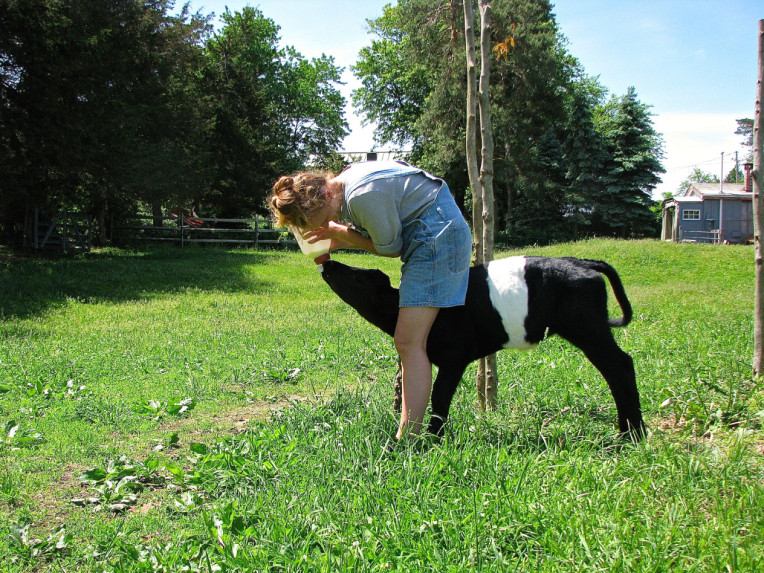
column 584, row 155
column 394, row 85
column 83, row 88
column 745, row 129
column 697, row 175
column 633, row 167
column 530, row 93
column 413, row 85
column 108, row 105
column 735, row 175
column 544, row 112
column 268, row 109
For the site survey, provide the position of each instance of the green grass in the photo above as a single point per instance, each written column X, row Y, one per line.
column 282, row 458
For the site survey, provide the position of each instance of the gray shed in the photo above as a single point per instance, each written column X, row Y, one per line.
column 709, row 213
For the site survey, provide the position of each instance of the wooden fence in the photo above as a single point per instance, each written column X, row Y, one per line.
column 62, row 230
column 188, row 229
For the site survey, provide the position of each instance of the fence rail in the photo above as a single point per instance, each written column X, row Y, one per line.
column 63, row 230
column 189, row 229
column 700, row 236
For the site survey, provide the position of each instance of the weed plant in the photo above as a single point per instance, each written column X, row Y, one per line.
column 206, row 409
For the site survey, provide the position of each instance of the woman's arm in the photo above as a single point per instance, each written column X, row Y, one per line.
column 343, row 237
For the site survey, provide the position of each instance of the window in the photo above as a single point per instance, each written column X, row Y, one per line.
column 691, row 215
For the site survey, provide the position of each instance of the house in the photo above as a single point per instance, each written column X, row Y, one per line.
column 710, row 213
column 353, row 156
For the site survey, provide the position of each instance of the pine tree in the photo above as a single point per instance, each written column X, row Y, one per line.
column 585, row 156
column 632, row 169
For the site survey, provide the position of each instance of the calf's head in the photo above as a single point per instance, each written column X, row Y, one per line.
column 367, row 290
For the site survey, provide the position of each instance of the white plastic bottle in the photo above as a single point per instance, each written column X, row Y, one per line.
column 318, row 251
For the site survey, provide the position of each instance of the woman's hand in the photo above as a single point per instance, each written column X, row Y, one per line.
column 342, row 237
column 336, row 232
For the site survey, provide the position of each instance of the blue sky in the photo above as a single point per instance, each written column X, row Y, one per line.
column 693, row 61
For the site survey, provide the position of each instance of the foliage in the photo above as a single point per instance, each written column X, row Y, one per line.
column 158, row 409
column 16, row 436
column 393, row 86
column 697, row 175
column 632, row 170
column 120, row 482
column 27, row 550
column 745, row 130
column 109, row 104
column 86, row 100
column 544, row 115
column 269, row 110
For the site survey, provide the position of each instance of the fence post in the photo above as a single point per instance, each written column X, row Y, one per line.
column 180, row 225
column 257, row 233
column 63, row 228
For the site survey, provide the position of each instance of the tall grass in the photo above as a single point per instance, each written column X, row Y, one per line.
column 202, row 408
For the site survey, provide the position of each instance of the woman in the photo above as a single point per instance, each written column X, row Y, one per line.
column 393, row 210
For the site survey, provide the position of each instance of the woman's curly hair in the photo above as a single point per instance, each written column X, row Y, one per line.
column 296, row 197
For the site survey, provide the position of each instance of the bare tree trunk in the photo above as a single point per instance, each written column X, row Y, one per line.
column 482, row 180
column 156, row 213
column 486, row 176
column 486, row 130
column 472, row 104
column 472, row 165
column 758, row 215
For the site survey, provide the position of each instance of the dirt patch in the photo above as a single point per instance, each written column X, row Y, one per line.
column 234, row 420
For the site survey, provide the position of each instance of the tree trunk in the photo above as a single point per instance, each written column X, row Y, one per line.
column 758, row 216
column 482, row 180
column 473, row 170
column 486, row 130
column 472, row 161
column 156, row 213
column 486, row 177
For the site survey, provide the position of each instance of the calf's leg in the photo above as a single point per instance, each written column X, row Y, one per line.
column 617, row 367
column 443, row 390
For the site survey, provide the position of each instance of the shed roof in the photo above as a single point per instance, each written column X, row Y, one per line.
column 716, row 191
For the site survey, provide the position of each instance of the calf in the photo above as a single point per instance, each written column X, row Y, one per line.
column 511, row 303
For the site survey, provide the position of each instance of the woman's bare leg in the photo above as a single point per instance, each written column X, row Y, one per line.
column 411, row 331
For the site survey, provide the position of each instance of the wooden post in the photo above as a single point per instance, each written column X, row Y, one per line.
column 758, row 216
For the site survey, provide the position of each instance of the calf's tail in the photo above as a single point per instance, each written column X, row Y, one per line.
column 618, row 290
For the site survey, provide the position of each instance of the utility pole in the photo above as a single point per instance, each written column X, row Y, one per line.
column 720, row 239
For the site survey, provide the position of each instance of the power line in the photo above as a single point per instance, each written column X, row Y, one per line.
column 704, row 162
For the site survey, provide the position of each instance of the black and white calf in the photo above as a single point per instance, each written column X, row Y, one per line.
column 511, row 303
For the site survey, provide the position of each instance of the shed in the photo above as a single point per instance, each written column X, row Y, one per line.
column 709, row 213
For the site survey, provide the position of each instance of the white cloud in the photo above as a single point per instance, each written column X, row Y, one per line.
column 696, row 140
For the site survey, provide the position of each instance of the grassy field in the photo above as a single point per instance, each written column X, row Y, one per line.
column 209, row 409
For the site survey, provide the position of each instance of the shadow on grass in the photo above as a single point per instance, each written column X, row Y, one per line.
column 33, row 285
